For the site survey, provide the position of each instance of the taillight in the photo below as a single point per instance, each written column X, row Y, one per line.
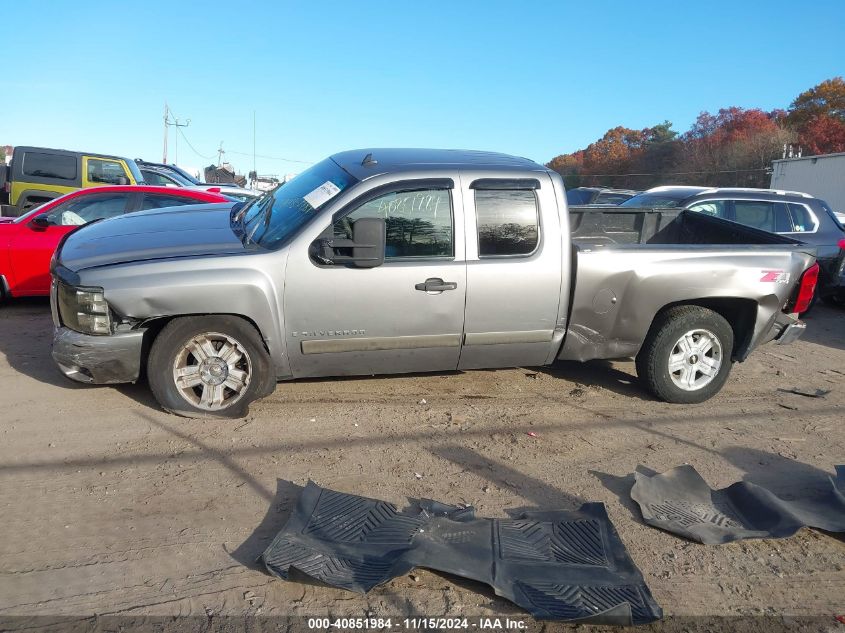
column 806, row 289
column 841, row 242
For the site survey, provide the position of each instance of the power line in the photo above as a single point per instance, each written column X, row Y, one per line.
column 192, row 147
column 287, row 160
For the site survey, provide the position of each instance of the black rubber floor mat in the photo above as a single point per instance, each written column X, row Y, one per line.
column 557, row 565
column 680, row 501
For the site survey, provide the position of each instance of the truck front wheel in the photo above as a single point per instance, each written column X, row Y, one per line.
column 686, row 357
column 209, row 366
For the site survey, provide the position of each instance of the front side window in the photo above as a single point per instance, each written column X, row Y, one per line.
column 106, row 172
column 716, row 208
column 59, row 166
column 508, row 222
column 87, row 209
column 418, row 223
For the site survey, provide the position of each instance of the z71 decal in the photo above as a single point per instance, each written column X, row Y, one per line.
column 776, row 276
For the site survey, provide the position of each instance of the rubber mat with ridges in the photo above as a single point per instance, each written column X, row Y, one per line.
column 571, row 602
column 359, row 517
column 567, row 565
column 343, row 572
column 680, row 501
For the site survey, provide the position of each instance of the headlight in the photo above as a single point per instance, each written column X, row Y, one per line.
column 84, row 309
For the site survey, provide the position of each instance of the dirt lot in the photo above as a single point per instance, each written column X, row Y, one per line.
column 111, row 506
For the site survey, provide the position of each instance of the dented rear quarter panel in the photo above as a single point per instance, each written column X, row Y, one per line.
column 645, row 279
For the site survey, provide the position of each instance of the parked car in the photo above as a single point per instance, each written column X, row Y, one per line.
column 231, row 191
column 27, row 243
column 172, row 176
column 164, row 176
column 391, row 261
column 39, row 174
column 598, row 195
column 790, row 213
column 173, row 173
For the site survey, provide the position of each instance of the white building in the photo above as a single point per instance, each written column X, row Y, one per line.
column 820, row 176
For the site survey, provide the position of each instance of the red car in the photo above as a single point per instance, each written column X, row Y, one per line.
column 27, row 242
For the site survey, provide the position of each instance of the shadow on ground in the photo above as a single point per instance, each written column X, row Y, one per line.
column 598, row 373
column 621, row 487
column 279, row 511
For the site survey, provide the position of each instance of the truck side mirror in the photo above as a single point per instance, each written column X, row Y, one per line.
column 364, row 250
column 368, row 237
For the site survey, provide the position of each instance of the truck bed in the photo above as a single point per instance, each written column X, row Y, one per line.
column 630, row 263
column 596, row 227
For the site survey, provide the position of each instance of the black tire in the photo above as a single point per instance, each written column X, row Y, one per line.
column 172, row 346
column 666, row 332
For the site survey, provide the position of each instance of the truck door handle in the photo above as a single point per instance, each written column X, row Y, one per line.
column 435, row 284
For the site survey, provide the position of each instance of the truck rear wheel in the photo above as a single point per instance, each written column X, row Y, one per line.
column 686, row 357
column 209, row 366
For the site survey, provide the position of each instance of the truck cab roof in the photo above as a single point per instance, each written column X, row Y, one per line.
column 366, row 163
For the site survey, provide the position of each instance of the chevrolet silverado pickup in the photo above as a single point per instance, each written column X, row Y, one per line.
column 387, row 261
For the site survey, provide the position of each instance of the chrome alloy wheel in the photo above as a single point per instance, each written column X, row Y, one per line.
column 695, row 360
column 212, row 371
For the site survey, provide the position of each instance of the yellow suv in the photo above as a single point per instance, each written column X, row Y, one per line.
column 39, row 174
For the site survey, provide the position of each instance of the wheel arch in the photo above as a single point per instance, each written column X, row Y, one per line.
column 154, row 325
column 741, row 315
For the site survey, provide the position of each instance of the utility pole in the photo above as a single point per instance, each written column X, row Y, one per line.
column 164, row 155
column 174, row 123
column 220, row 152
column 253, row 146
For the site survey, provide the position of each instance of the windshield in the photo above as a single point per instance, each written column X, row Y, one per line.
column 660, row 200
column 272, row 219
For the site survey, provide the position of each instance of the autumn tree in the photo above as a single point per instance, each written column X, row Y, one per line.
column 824, row 100
column 818, row 117
column 733, row 147
column 823, row 135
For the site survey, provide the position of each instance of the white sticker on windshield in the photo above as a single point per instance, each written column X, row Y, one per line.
column 322, row 194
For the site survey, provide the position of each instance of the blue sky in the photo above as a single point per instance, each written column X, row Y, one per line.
column 535, row 79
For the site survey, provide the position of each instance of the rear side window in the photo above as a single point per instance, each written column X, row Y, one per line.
column 508, row 222
column 154, row 178
column 158, row 201
column 767, row 216
column 418, row 223
column 802, row 219
column 106, row 172
column 43, row 165
column 86, row 209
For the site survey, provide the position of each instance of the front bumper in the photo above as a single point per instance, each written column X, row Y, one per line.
column 99, row 360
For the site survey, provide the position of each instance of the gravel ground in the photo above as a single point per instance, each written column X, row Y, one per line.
column 111, row 506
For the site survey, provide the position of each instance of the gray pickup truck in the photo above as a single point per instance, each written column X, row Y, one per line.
column 388, row 261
